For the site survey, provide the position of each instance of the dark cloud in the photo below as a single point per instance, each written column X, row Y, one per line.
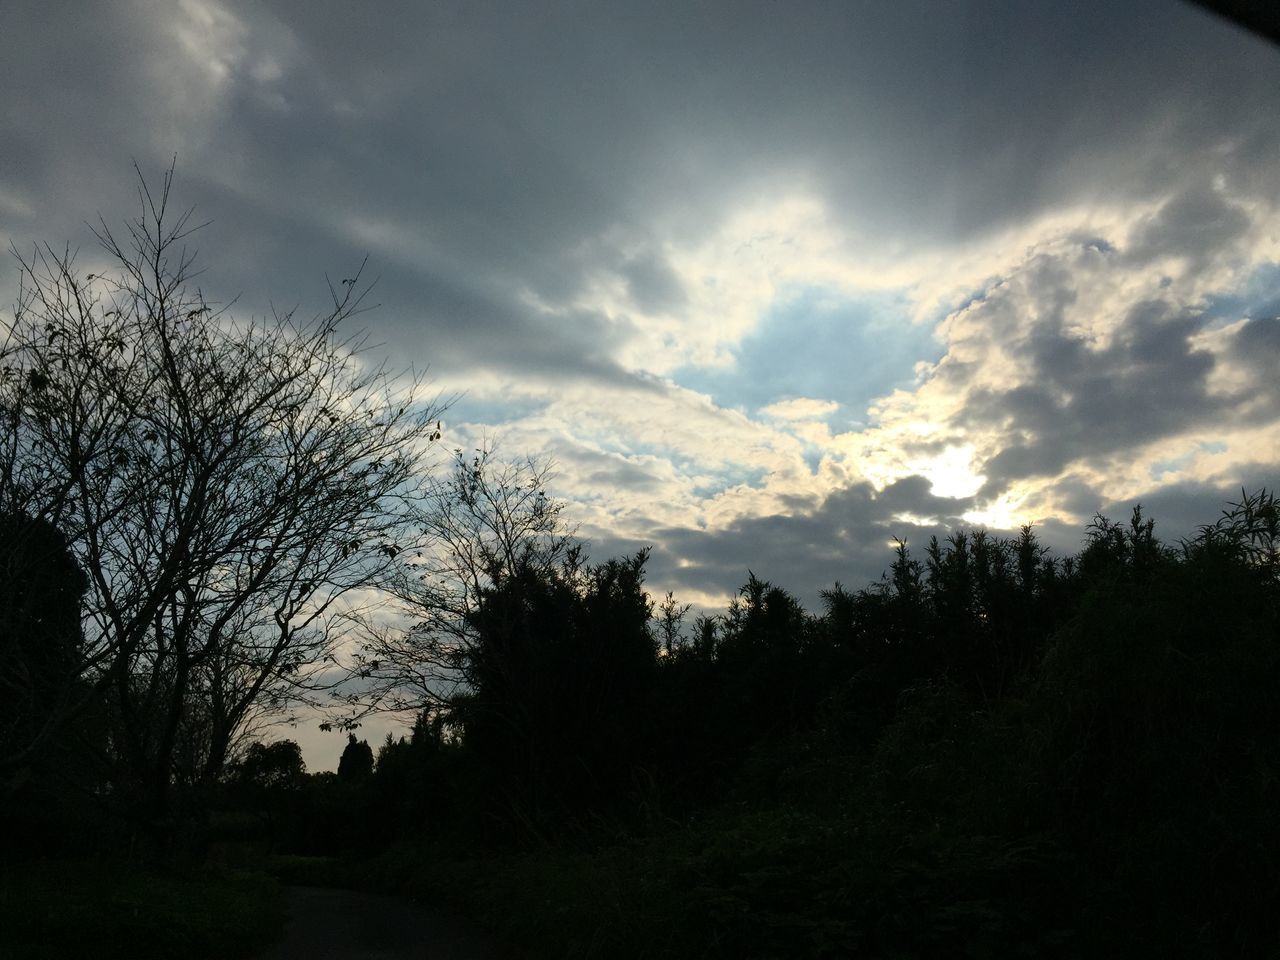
column 1150, row 383
column 915, row 495
column 608, row 471
column 1195, row 224
column 1076, row 496
column 512, row 139
column 846, row 537
column 1254, row 350
column 651, row 283
column 1181, row 509
column 1258, row 342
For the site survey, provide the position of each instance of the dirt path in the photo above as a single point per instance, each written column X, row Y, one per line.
column 346, row 925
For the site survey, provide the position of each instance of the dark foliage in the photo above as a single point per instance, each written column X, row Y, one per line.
column 53, row 750
column 562, row 684
column 40, row 638
column 991, row 752
column 356, row 762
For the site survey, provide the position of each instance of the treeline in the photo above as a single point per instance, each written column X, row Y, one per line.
column 990, row 750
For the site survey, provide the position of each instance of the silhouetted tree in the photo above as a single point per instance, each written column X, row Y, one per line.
column 270, row 766
column 1155, row 694
column 671, row 614
column 41, row 587
column 224, row 486
column 992, row 751
column 51, row 723
column 356, row 762
column 559, row 685
column 489, row 525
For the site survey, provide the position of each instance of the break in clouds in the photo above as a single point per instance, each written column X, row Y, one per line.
column 770, row 282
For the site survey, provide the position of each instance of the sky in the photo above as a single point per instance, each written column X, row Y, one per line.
column 773, row 283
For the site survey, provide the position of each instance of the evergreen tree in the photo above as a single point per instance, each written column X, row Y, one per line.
column 356, row 763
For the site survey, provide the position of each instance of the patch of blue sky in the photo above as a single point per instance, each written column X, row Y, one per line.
column 813, row 457
column 1259, row 297
column 1175, row 465
column 816, row 342
column 722, row 480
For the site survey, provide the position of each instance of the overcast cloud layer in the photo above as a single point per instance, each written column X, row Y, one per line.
column 772, row 282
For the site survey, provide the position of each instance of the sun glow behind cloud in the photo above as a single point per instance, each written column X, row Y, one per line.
column 1075, row 282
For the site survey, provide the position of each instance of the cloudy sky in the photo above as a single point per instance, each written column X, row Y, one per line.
column 772, row 282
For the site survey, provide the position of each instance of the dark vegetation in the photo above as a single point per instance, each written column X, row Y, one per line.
column 110, row 908
column 188, row 505
column 991, row 752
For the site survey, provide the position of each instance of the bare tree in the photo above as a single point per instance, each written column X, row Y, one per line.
column 485, row 520
column 226, row 487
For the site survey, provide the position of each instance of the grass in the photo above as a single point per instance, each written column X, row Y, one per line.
column 60, row 908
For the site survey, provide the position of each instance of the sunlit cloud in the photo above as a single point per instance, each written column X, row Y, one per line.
column 800, row 408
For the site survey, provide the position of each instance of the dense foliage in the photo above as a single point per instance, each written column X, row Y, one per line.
column 991, row 752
